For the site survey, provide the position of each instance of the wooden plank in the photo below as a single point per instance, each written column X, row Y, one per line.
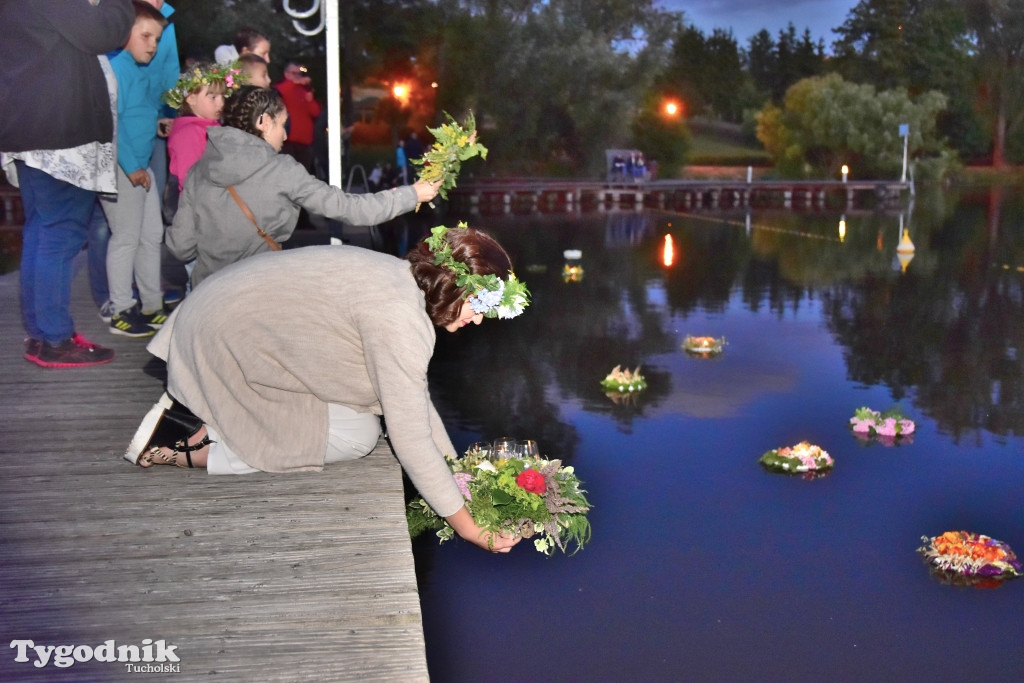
column 258, row 577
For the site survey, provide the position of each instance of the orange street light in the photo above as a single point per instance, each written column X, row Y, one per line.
column 673, row 108
column 400, row 91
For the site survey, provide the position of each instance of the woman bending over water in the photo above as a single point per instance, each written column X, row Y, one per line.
column 283, row 362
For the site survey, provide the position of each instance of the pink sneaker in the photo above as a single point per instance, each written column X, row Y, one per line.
column 79, row 340
column 32, row 349
column 71, row 354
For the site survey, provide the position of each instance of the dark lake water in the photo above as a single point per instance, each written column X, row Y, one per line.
column 703, row 566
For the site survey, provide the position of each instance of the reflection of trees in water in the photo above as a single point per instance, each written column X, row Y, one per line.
column 946, row 332
column 513, row 376
column 951, row 333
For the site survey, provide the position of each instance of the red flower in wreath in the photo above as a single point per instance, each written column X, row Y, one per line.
column 532, row 481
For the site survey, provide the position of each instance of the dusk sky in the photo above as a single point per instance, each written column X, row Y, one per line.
column 747, row 17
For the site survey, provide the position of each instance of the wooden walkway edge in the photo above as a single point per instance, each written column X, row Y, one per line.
column 259, row 577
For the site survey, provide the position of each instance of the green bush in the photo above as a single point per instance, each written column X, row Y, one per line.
column 662, row 140
column 757, row 160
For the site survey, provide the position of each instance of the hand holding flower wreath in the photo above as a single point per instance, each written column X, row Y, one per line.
column 528, row 497
column 453, row 144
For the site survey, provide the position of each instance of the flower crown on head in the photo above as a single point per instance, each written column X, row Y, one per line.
column 231, row 75
column 487, row 294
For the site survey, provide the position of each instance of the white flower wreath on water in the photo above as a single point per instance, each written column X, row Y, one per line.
column 487, row 294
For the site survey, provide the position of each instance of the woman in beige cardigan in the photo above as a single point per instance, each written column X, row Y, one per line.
column 284, row 361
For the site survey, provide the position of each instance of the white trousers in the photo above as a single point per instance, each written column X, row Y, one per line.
column 350, row 435
column 133, row 253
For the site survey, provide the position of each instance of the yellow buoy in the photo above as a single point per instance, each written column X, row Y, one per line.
column 905, row 245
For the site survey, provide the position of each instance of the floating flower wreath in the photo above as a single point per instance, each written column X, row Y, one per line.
column 803, row 457
column 572, row 273
column 703, row 346
column 966, row 558
column 619, row 380
column 888, row 427
column 487, row 294
column 453, row 144
column 192, row 81
column 531, row 497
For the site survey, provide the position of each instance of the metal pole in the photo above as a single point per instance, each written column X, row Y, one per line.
column 906, row 138
column 334, row 154
column 328, row 10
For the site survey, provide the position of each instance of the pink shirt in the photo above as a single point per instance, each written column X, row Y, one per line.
column 186, row 143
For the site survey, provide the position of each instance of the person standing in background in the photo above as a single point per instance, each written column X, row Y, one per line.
column 413, row 148
column 136, row 226
column 401, row 164
column 302, row 112
column 161, row 74
column 255, row 68
column 56, row 135
column 247, row 41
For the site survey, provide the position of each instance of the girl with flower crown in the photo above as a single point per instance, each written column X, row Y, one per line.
column 283, row 362
column 199, row 98
column 211, row 225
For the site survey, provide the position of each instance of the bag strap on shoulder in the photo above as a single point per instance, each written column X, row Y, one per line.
column 248, row 214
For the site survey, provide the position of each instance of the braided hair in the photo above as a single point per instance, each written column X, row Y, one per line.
column 244, row 109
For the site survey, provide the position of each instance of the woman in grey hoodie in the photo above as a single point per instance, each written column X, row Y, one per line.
column 212, row 228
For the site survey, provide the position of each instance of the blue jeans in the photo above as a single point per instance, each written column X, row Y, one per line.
column 56, row 227
column 99, row 235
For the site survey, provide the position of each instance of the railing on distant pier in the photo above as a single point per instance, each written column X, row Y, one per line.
column 516, row 195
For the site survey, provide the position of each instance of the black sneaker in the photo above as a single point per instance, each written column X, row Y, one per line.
column 165, row 427
column 32, row 349
column 70, row 354
column 155, row 319
column 131, row 323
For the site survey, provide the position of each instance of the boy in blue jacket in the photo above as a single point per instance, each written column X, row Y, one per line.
column 136, row 226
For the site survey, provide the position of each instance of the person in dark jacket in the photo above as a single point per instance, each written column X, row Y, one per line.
column 56, row 132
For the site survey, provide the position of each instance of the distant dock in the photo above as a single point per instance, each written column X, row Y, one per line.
column 524, row 195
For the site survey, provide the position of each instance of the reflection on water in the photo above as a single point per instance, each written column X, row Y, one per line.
column 703, row 565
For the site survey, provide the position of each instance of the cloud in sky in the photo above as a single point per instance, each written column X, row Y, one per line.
column 747, row 17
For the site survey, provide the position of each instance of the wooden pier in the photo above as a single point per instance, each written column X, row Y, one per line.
column 253, row 578
column 552, row 194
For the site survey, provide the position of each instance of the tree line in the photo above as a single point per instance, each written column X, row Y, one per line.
column 556, row 82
